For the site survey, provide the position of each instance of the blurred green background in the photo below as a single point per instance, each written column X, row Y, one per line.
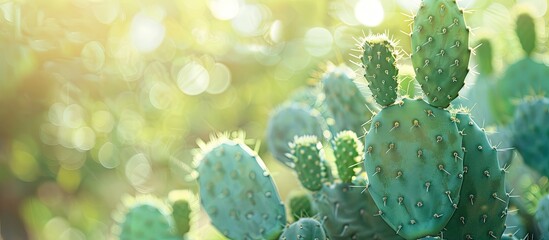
column 105, row 98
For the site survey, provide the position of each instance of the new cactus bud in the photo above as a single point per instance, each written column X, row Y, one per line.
column 440, row 50
column 379, row 61
column 348, row 152
column 307, row 161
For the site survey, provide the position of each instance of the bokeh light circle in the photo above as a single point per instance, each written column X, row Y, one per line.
column 318, row 41
column 220, row 79
column 193, row 78
column 224, row 9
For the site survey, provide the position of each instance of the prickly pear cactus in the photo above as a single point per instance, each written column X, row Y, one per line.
column 146, row 218
column 307, row 162
column 379, row 61
column 348, row 152
column 414, row 161
column 300, row 205
column 530, row 133
column 237, row 191
column 304, row 229
column 482, row 207
column 348, row 212
column 542, row 216
column 288, row 121
column 531, row 72
column 440, row 46
column 345, row 103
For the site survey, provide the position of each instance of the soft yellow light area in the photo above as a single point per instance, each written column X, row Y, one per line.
column 69, row 180
column 23, row 164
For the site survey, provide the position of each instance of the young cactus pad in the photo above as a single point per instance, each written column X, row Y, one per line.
column 238, row 193
column 288, row 121
column 379, row 61
column 414, row 161
column 146, row 218
column 526, row 32
column 304, row 229
column 348, row 152
column 482, row 207
column 307, row 162
column 440, row 46
column 300, row 204
column 344, row 101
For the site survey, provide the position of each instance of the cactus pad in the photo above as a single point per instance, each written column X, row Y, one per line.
column 304, row 229
column 440, row 46
column 146, row 218
column 542, row 216
column 238, row 193
column 379, row 61
column 348, row 212
column 288, row 121
column 531, row 134
column 482, row 207
column 526, row 32
column 344, row 101
column 307, row 162
column 348, row 151
column 414, row 163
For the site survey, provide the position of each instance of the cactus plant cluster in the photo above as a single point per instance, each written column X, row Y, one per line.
column 404, row 168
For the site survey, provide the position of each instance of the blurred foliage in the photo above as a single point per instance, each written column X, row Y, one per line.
column 101, row 98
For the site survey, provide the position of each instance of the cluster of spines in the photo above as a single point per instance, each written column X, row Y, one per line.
column 440, row 52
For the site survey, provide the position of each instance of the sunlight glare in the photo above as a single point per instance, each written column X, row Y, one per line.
column 224, row 9
column 146, row 33
column 369, row 12
column 193, row 78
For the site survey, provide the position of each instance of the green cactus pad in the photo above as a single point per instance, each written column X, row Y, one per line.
column 345, row 103
column 300, row 205
column 414, row 163
column 482, row 207
column 526, row 32
column 348, row 151
column 509, row 91
column 182, row 216
column 348, row 212
column 542, row 216
column 304, row 229
column 485, row 57
column 307, row 162
column 146, row 218
column 440, row 46
column 238, row 193
column 379, row 60
column 288, row 121
column 530, row 134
